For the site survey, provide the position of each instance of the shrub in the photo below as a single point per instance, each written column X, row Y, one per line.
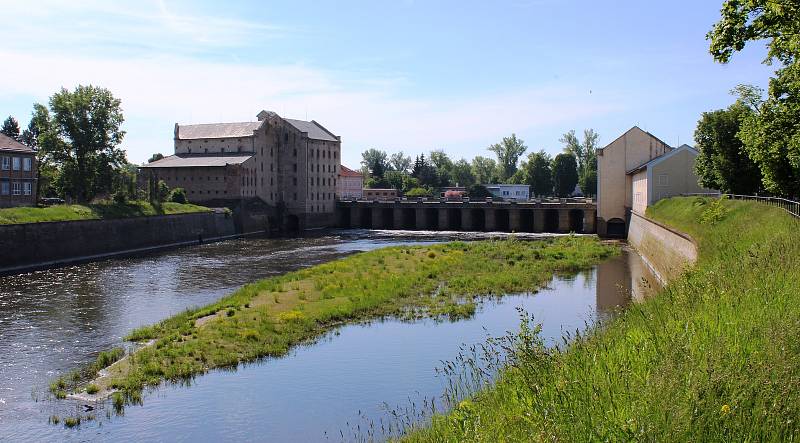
column 419, row 192
column 178, row 195
column 92, row 389
column 120, row 197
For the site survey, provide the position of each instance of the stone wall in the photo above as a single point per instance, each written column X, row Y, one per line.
column 667, row 251
column 39, row 245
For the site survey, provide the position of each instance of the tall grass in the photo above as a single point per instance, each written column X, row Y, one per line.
column 714, row 357
column 94, row 211
column 268, row 317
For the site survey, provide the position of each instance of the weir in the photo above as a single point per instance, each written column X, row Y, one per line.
column 438, row 215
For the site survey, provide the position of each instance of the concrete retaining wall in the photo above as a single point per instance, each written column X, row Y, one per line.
column 667, row 251
column 39, row 245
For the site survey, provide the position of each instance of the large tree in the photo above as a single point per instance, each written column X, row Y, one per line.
column 461, row 174
column 374, row 160
column 508, row 153
column 81, row 135
column 723, row 163
column 425, row 172
column 565, row 174
column 536, row 172
column 771, row 135
column 10, row 128
column 400, row 162
column 485, row 170
column 586, row 155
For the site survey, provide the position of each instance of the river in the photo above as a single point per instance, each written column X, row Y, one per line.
column 56, row 320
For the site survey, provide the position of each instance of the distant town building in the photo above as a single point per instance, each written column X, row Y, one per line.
column 453, row 192
column 291, row 165
column 18, row 174
column 509, row 191
column 380, row 194
column 350, row 185
column 666, row 176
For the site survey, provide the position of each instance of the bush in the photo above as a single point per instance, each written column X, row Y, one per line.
column 419, row 192
column 120, row 197
column 178, row 195
column 478, row 191
column 92, row 389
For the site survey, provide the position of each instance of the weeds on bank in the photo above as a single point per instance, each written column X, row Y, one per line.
column 714, row 357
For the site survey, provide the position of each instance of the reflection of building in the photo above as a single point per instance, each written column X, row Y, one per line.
column 622, row 279
column 350, row 184
column 666, row 176
column 288, row 164
column 380, row 194
column 510, row 192
column 17, row 173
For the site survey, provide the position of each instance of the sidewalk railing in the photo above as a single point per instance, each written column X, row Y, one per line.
column 790, row 206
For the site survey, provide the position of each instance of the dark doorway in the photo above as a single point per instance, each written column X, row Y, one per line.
column 366, row 218
column 501, row 219
column 576, row 220
column 292, row 224
column 387, row 218
column 409, row 219
column 551, row 220
column 432, row 219
column 526, row 220
column 478, row 220
column 615, row 228
column 344, row 217
column 454, row 219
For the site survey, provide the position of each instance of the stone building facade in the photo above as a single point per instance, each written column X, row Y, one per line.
column 290, row 165
column 18, row 175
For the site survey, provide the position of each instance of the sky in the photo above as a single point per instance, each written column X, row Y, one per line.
column 403, row 75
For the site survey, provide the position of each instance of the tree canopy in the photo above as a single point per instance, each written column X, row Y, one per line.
column 586, row 155
column 10, row 128
column 508, row 153
column 375, row 161
column 536, row 172
column 565, row 174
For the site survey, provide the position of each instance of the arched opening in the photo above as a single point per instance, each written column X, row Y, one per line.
column 478, row 220
column 454, row 219
column 292, row 224
column 344, row 217
column 501, row 219
column 409, row 218
column 551, row 220
column 526, row 220
column 366, row 218
column 615, row 228
column 576, row 220
column 432, row 219
column 387, row 218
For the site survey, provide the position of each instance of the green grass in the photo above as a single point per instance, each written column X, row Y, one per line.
column 268, row 317
column 714, row 357
column 92, row 212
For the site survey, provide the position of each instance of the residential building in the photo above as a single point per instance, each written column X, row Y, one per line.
column 666, row 176
column 380, row 194
column 510, row 192
column 350, row 185
column 291, row 165
column 18, row 175
column 614, row 186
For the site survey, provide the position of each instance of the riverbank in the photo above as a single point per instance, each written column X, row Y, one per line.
column 99, row 211
column 268, row 317
column 714, row 357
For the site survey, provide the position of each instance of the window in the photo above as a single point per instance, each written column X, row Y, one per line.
column 294, row 152
column 16, row 188
column 5, row 188
column 663, row 180
column 15, row 164
column 27, row 189
column 294, row 181
column 294, row 167
column 6, row 163
column 26, row 164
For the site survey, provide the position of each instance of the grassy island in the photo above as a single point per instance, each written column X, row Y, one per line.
column 267, row 317
column 714, row 357
column 95, row 211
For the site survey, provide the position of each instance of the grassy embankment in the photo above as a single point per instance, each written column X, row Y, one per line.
column 96, row 211
column 713, row 357
column 268, row 317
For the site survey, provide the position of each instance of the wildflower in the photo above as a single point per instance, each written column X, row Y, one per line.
column 726, row 409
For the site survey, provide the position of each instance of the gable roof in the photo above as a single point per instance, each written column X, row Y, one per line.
column 8, row 144
column 347, row 172
column 638, row 129
column 315, row 130
column 662, row 157
column 175, row 161
column 216, row 130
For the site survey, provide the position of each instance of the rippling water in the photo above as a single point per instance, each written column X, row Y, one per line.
column 56, row 320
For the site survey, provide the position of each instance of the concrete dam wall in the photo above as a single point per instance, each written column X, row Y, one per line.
column 38, row 245
column 667, row 251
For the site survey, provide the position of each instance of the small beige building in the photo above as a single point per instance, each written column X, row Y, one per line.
column 666, row 176
column 350, row 185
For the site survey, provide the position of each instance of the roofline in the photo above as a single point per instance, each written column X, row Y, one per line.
column 661, row 158
column 178, row 125
column 326, row 130
column 631, row 129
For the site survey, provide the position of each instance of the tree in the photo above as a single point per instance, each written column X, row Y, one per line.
column 444, row 168
column 419, row 192
column 770, row 135
column 375, row 162
column 425, row 173
column 586, row 156
column 155, row 157
column 508, row 152
column 11, row 128
column 536, row 172
column 484, row 169
column 40, row 136
column 723, row 163
column 565, row 174
column 82, row 135
column 400, row 162
column 478, row 192
column 461, row 174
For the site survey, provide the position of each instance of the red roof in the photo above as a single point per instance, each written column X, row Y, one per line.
column 347, row 172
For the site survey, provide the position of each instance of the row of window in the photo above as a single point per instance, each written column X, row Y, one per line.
column 329, row 168
column 16, row 163
column 16, row 188
column 320, row 196
column 322, row 181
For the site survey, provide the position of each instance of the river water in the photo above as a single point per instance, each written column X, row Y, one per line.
column 56, row 320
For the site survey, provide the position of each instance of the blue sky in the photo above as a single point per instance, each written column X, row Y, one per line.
column 405, row 75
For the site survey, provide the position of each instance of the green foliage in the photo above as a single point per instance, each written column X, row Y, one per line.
column 485, row 170
column 162, row 192
column 425, row 173
column 586, row 155
column 419, row 192
column 119, row 197
column 478, row 192
column 98, row 210
column 178, row 195
column 508, row 153
column 461, row 174
column 715, row 356
column 10, row 128
column 723, row 162
column 155, row 157
column 374, row 160
column 400, row 162
column 714, row 212
column 536, row 172
column 565, row 174
column 92, row 389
